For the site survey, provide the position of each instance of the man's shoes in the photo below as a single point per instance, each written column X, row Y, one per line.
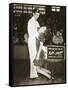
column 37, row 78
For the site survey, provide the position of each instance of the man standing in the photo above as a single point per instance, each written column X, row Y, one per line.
column 33, row 28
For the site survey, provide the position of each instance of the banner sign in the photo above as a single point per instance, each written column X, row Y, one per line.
column 55, row 52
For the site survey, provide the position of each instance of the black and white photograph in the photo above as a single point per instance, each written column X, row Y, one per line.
column 37, row 44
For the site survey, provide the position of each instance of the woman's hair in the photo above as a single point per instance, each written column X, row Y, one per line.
column 36, row 10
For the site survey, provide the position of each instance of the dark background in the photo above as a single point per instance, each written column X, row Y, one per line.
column 54, row 20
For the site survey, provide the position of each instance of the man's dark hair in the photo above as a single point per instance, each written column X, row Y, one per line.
column 36, row 10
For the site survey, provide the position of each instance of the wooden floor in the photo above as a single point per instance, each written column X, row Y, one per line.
column 22, row 71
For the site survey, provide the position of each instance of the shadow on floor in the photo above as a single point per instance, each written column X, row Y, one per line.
column 21, row 75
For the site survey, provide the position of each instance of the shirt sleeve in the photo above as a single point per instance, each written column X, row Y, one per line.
column 33, row 29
